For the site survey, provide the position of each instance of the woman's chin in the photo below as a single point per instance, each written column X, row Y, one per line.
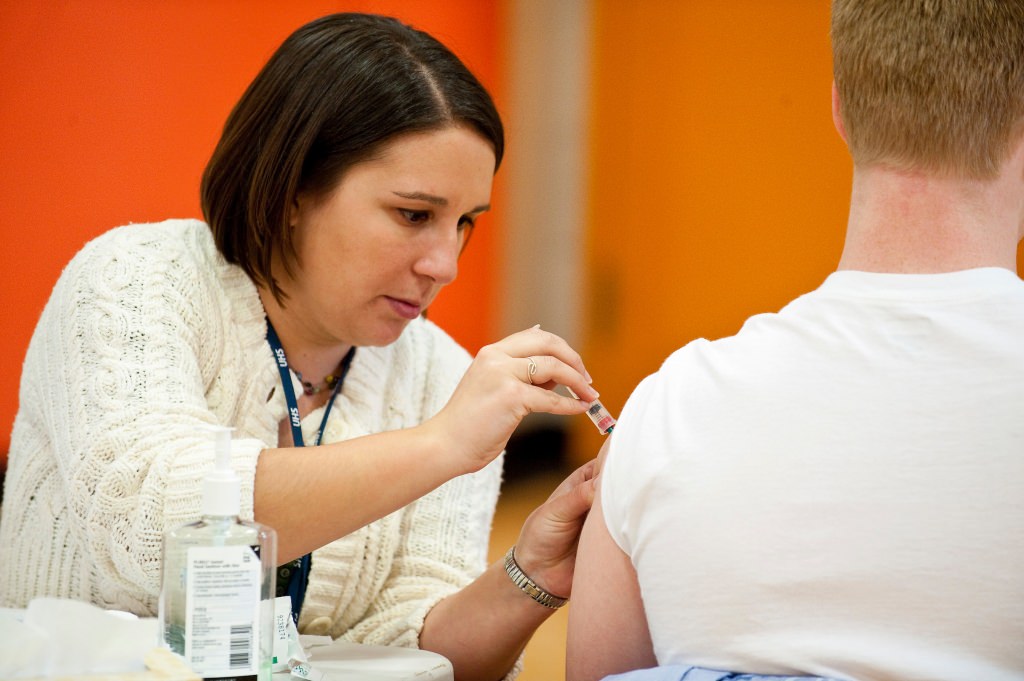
column 386, row 335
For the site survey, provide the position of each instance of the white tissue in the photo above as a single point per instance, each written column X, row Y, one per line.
column 61, row 637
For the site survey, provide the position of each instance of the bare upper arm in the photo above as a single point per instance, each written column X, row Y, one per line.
column 608, row 630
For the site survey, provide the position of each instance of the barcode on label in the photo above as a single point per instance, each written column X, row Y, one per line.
column 241, row 646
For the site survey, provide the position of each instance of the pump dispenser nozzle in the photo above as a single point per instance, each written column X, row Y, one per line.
column 221, row 487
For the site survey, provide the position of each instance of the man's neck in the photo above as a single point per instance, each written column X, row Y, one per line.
column 914, row 222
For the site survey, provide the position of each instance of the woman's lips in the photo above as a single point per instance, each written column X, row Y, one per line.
column 404, row 308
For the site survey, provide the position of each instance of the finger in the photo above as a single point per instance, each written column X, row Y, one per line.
column 534, row 344
column 578, row 476
column 531, row 371
column 573, row 505
column 538, row 400
column 547, row 371
column 536, row 341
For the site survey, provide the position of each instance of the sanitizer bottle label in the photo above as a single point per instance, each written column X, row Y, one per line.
column 222, row 605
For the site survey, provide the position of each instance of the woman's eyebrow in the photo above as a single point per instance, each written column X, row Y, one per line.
column 436, row 200
column 422, row 196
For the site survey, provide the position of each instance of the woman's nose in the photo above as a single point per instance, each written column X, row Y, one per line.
column 440, row 262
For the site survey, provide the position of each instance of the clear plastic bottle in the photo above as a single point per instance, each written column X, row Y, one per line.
column 217, row 600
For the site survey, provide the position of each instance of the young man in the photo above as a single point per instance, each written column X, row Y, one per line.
column 839, row 488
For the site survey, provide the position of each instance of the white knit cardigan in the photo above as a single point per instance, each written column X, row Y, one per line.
column 148, row 335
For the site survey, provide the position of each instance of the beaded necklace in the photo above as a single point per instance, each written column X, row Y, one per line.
column 330, row 380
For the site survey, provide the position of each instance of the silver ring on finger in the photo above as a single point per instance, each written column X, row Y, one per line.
column 531, row 369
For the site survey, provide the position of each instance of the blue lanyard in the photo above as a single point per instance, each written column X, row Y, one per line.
column 299, row 579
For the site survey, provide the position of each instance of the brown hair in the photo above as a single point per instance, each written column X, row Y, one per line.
column 936, row 85
column 336, row 91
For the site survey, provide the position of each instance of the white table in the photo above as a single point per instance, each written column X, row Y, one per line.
column 68, row 638
column 344, row 661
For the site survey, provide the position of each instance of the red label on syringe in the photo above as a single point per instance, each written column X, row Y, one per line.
column 598, row 414
column 601, row 418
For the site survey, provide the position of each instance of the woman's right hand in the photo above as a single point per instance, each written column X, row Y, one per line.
column 506, row 381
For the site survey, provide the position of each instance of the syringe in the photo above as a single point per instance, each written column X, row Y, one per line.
column 601, row 417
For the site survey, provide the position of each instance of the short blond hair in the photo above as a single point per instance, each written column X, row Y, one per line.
column 936, row 85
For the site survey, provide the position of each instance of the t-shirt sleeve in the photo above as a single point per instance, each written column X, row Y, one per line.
column 625, row 467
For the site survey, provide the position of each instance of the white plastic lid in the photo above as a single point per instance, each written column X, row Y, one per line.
column 222, row 488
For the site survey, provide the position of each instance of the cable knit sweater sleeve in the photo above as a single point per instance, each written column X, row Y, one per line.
column 442, row 538
column 107, row 451
column 377, row 585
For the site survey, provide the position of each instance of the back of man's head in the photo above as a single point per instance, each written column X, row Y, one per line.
column 932, row 85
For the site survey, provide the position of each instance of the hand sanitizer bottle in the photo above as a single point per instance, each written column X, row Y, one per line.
column 217, row 601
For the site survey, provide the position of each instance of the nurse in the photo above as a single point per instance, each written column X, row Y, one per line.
column 346, row 183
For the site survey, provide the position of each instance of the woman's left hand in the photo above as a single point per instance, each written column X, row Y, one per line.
column 546, row 550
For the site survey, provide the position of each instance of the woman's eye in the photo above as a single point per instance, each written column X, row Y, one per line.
column 466, row 225
column 415, row 216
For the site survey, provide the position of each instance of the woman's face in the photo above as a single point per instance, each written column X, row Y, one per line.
column 376, row 250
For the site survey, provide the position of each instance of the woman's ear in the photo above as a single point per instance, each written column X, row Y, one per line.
column 837, row 114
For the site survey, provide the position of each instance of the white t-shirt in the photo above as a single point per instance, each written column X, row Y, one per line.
column 839, row 488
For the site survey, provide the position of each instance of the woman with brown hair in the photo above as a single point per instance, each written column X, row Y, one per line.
column 342, row 191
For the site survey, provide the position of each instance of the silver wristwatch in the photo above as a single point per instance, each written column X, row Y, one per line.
column 529, row 586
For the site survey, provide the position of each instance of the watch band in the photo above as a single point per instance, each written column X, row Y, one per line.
column 529, row 586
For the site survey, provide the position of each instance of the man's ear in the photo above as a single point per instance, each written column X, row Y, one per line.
column 837, row 114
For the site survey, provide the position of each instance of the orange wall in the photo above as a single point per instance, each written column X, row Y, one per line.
column 718, row 187
column 111, row 108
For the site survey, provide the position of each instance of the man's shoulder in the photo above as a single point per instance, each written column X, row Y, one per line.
column 759, row 335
